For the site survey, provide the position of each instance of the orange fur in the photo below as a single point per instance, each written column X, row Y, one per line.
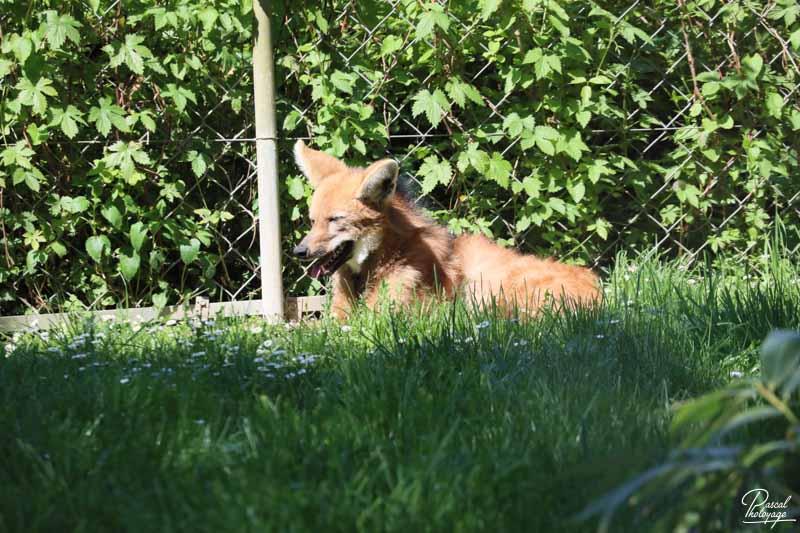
column 415, row 258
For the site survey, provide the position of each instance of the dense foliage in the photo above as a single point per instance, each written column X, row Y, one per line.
column 573, row 128
column 114, row 186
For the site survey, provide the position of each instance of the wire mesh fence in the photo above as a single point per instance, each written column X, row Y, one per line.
column 658, row 142
column 576, row 129
column 134, row 181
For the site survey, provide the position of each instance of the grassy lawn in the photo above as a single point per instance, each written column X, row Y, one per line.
column 435, row 420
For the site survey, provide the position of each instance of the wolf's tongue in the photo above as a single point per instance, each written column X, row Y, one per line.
column 317, row 270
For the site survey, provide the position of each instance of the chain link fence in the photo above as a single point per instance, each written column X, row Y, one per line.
column 576, row 129
column 681, row 175
column 149, row 196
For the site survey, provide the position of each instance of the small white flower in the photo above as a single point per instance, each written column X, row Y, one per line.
column 347, row 328
column 736, row 374
column 198, row 354
column 482, row 325
column 255, row 330
column 278, row 352
column 599, row 336
column 199, row 421
column 79, row 356
column 124, row 380
column 258, row 360
column 171, row 322
column 523, row 342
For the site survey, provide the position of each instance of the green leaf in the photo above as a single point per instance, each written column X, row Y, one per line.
column 124, row 156
column 146, row 118
column 545, row 138
column 577, row 191
column 780, row 357
column 179, row 95
column 35, row 95
column 488, row 7
column 297, row 188
column 532, row 186
column 131, row 53
column 433, row 16
column 190, row 251
column 198, row 161
column 557, row 204
column 390, row 45
column 459, row 91
column 59, row 248
column 774, row 104
column 583, row 117
column 129, row 266
column 137, row 234
column 434, row 106
column 96, row 245
column 18, row 154
column 112, row 214
column 68, row 119
column 342, row 81
column 474, row 157
column 597, row 169
column 160, row 300
column 499, row 170
column 21, row 46
column 794, row 38
column 30, row 176
column 751, row 66
column 5, row 67
column 572, row 144
column 515, row 125
column 60, row 28
column 74, row 205
column 794, row 118
column 434, row 172
column 106, row 115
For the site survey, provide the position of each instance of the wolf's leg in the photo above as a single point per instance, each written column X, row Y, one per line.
column 343, row 294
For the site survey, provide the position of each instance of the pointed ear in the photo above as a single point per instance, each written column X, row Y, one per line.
column 380, row 182
column 314, row 164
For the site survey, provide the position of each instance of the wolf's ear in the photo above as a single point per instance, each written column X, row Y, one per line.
column 314, row 164
column 380, row 182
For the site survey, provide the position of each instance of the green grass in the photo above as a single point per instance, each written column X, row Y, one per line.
column 435, row 420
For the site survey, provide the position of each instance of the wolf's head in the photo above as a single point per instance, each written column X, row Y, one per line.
column 347, row 209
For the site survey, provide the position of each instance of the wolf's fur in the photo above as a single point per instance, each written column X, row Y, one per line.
column 396, row 246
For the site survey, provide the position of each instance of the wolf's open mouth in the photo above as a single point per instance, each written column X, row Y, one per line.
column 330, row 263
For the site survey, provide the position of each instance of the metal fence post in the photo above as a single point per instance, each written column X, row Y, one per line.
column 267, row 163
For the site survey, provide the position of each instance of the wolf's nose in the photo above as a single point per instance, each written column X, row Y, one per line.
column 301, row 251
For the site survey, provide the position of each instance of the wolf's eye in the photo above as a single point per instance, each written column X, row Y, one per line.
column 335, row 218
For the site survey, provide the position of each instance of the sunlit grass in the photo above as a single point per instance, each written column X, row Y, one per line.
column 434, row 419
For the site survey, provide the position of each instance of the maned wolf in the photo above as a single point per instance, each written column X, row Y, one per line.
column 366, row 235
